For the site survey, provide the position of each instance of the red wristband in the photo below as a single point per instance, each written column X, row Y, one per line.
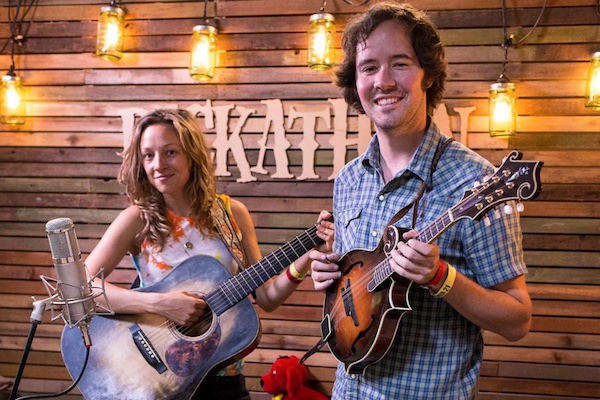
column 439, row 274
column 289, row 275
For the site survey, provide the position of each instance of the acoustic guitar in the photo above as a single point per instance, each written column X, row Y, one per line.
column 145, row 356
column 363, row 309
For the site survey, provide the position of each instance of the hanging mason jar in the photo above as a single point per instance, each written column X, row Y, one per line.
column 502, row 109
column 321, row 31
column 592, row 92
column 203, row 54
column 111, row 25
column 12, row 110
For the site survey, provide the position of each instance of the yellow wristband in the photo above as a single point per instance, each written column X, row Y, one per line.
column 448, row 282
column 295, row 273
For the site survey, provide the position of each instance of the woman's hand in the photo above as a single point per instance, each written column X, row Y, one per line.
column 326, row 231
column 184, row 308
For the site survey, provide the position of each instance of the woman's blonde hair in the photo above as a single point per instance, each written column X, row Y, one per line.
column 200, row 189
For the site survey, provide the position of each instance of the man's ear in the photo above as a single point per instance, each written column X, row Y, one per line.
column 427, row 82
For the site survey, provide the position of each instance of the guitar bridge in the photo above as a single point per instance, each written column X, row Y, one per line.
column 146, row 348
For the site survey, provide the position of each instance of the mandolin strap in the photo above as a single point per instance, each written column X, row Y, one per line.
column 415, row 202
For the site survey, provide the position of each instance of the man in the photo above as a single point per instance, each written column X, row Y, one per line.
column 394, row 72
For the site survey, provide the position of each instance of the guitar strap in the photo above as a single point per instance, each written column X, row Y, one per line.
column 325, row 328
column 228, row 231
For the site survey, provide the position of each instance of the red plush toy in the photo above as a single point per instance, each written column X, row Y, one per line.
column 287, row 380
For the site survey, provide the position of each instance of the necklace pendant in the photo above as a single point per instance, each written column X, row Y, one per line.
column 189, row 245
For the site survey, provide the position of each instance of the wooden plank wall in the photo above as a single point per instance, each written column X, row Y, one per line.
column 63, row 162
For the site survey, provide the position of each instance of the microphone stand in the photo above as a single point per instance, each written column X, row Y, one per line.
column 36, row 318
column 58, row 298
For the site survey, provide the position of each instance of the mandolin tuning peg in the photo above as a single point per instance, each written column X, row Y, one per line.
column 497, row 213
column 520, row 207
column 476, row 184
column 486, row 221
column 507, row 209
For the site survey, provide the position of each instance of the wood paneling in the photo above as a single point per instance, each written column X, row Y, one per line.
column 64, row 159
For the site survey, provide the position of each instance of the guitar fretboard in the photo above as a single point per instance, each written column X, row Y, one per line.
column 238, row 287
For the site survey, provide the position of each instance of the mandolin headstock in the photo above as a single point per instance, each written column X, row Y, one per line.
column 514, row 180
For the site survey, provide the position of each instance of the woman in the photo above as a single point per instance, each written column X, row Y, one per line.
column 175, row 213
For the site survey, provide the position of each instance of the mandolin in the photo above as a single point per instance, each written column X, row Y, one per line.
column 363, row 309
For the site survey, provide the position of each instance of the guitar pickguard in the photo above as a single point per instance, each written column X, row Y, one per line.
column 184, row 356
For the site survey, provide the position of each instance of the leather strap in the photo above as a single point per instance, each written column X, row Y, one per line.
column 415, row 202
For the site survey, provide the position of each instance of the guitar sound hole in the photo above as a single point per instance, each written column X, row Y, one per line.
column 199, row 328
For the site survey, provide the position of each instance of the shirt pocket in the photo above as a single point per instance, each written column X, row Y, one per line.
column 349, row 223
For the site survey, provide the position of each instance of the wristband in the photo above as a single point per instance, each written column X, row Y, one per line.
column 295, row 273
column 438, row 275
column 448, row 283
column 295, row 281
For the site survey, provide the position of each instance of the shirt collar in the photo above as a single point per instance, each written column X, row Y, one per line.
column 420, row 164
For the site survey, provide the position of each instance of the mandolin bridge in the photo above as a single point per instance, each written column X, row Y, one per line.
column 349, row 303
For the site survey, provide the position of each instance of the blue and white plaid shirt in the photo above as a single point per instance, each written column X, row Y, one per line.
column 436, row 353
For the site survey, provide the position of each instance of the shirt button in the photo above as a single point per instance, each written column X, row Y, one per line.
column 353, row 376
column 381, row 197
column 374, row 234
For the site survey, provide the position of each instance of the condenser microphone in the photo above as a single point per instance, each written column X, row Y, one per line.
column 74, row 290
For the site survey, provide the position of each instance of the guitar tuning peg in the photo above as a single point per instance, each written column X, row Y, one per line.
column 486, row 221
column 476, row 184
column 520, row 207
column 507, row 209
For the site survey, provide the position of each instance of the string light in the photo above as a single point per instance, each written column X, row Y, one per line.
column 502, row 99
column 321, row 31
column 203, row 54
column 12, row 105
column 502, row 96
column 502, row 103
column 111, row 27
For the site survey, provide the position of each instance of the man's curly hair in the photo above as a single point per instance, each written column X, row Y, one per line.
column 424, row 38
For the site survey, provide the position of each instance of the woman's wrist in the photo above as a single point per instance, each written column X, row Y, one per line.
column 295, row 276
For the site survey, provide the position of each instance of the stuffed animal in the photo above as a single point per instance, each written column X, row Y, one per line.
column 287, row 381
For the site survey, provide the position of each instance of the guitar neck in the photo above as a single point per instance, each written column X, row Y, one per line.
column 238, row 287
